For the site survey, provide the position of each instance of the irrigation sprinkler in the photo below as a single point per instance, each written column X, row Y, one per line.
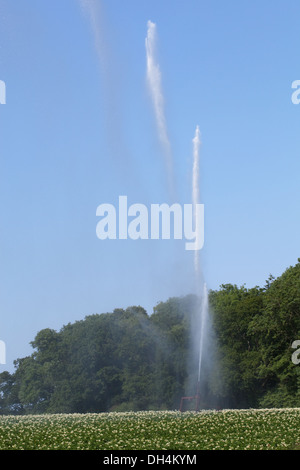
column 196, row 398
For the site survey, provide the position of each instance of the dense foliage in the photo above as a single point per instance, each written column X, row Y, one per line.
column 129, row 360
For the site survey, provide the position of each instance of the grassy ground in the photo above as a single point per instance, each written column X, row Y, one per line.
column 220, row 430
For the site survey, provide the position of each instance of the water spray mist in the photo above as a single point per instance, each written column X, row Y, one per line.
column 155, row 87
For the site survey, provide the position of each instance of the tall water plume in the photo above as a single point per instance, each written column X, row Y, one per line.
column 154, row 80
column 196, row 190
column 202, row 326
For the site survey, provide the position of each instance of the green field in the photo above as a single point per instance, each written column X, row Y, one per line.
column 219, row 430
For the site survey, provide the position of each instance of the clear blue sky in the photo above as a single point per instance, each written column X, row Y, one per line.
column 78, row 130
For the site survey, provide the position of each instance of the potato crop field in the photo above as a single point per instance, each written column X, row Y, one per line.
column 265, row 429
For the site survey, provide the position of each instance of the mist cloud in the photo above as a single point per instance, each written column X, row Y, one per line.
column 92, row 9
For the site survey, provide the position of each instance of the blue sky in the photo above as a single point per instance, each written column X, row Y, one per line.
column 78, row 130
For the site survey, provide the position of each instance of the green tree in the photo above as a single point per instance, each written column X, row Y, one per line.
column 276, row 328
column 233, row 308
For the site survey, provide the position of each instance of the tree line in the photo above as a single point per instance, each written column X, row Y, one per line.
column 129, row 360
